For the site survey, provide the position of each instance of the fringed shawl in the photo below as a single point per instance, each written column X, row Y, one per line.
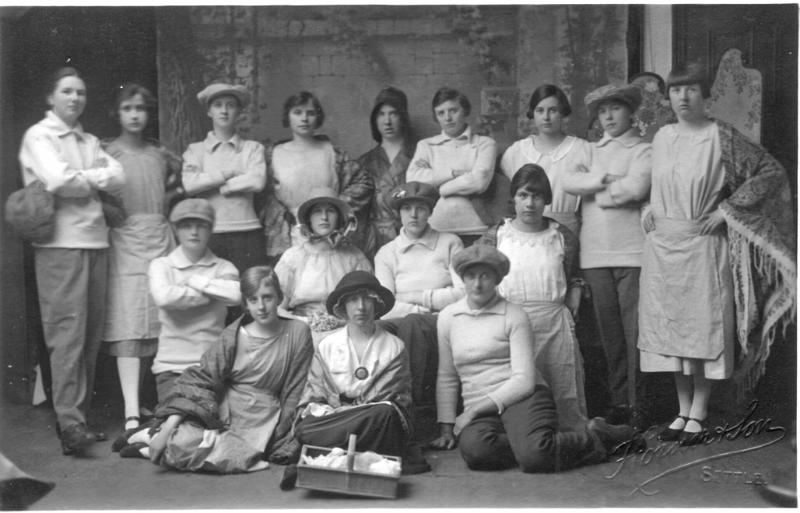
column 762, row 240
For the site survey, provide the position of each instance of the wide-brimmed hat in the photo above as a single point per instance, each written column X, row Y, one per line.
column 481, row 254
column 356, row 281
column 630, row 95
column 193, row 208
column 413, row 191
column 322, row 195
column 212, row 91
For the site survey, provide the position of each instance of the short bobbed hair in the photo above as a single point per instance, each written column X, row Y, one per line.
column 254, row 277
column 546, row 91
column 128, row 91
column 57, row 75
column 532, row 177
column 690, row 74
column 302, row 98
column 448, row 93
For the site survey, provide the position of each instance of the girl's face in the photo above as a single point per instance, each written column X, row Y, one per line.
column 133, row 114
column 360, row 309
column 480, row 282
column 547, row 117
column 68, row 99
column 529, row 206
column 451, row 118
column 323, row 219
column 414, row 216
column 615, row 118
column 303, row 119
column 388, row 122
column 263, row 304
column 224, row 111
column 193, row 235
column 687, row 101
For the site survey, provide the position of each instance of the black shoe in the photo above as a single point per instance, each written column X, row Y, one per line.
column 688, row 438
column 613, row 437
column 671, row 435
column 122, row 440
column 133, row 450
column 75, row 438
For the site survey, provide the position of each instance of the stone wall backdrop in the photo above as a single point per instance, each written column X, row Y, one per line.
column 344, row 54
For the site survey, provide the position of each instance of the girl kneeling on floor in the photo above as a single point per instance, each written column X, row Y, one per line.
column 509, row 417
column 261, row 366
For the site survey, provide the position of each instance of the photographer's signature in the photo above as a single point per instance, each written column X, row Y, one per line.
column 745, row 428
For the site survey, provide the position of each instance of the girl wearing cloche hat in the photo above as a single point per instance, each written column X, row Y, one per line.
column 321, row 256
column 359, row 379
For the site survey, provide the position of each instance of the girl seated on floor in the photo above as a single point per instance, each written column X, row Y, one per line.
column 260, row 366
column 359, row 381
column 509, row 417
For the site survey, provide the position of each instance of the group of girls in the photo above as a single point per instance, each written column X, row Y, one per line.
column 497, row 317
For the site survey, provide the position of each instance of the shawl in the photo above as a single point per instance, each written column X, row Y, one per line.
column 200, row 388
column 761, row 236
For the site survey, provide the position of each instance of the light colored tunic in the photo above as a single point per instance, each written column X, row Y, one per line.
column 146, row 235
column 686, row 313
column 537, row 282
column 298, row 172
column 459, row 168
column 422, row 265
column 572, row 153
column 310, row 271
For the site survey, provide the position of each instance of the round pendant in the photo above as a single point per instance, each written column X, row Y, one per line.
column 361, row 373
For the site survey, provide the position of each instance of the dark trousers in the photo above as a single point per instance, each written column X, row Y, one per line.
column 378, row 428
column 418, row 333
column 615, row 298
column 526, row 435
column 242, row 249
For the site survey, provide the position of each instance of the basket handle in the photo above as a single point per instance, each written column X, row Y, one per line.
column 351, row 452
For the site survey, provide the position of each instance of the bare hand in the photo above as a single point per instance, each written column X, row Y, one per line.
column 458, row 172
column 463, row 421
column 100, row 162
column 712, row 222
column 422, row 163
column 609, row 178
column 443, row 442
column 573, row 301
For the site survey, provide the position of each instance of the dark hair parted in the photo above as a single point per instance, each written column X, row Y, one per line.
column 254, row 277
column 448, row 93
column 302, row 98
column 55, row 77
column 533, row 178
column 128, row 91
column 689, row 74
column 546, row 91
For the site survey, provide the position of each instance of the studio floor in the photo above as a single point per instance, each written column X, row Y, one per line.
column 743, row 470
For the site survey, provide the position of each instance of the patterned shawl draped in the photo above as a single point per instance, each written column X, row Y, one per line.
column 762, row 241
